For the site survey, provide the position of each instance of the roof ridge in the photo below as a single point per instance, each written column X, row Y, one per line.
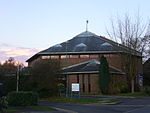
column 86, row 34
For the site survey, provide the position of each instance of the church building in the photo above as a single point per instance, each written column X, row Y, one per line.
column 79, row 58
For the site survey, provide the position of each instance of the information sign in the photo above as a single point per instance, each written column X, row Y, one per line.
column 75, row 87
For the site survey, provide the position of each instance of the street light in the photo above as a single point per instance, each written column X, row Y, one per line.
column 17, row 76
column 66, row 74
column 17, row 86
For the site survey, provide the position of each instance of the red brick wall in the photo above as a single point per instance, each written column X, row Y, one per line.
column 30, row 64
column 93, row 82
column 117, row 83
column 113, row 59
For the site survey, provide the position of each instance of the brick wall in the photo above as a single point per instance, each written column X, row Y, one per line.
column 113, row 59
column 118, row 81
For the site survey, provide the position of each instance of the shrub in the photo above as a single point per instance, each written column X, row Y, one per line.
column 45, row 75
column 117, row 85
column 3, row 103
column 22, row 98
column 147, row 90
column 45, row 92
column 61, row 89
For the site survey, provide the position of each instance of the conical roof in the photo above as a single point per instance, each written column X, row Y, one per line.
column 85, row 42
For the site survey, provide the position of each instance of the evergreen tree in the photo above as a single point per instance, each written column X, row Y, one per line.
column 104, row 76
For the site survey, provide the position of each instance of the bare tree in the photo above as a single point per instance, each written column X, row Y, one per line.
column 131, row 34
column 147, row 50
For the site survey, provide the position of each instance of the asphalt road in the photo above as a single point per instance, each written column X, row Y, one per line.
column 128, row 105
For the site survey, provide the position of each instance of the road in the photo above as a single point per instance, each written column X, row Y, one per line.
column 128, row 105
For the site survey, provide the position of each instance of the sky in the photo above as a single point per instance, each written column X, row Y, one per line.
column 29, row 26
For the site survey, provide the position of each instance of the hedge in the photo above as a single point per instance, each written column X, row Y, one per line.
column 22, row 98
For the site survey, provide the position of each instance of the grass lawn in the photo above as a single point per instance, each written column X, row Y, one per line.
column 40, row 108
column 136, row 94
column 82, row 100
column 10, row 111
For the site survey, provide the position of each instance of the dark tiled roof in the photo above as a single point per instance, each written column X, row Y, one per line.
column 91, row 66
column 85, row 42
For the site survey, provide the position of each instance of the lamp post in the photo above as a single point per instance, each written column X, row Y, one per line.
column 17, row 86
column 66, row 74
column 19, row 65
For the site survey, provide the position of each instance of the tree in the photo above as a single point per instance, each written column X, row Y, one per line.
column 131, row 34
column 104, row 76
column 44, row 77
column 8, row 71
column 9, row 66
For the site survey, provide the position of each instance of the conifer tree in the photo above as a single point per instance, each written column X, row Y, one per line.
column 104, row 76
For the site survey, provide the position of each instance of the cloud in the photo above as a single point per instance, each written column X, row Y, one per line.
column 6, row 45
column 20, row 54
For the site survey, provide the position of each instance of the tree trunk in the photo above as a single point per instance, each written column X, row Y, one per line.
column 132, row 86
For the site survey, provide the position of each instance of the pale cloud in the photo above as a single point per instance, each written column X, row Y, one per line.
column 20, row 54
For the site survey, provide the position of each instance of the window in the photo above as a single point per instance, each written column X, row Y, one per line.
column 64, row 56
column 107, row 55
column 94, row 56
column 74, row 56
column 84, row 56
column 89, row 86
column 82, row 78
column 89, row 83
column 45, row 57
column 54, row 57
column 113, row 56
column 77, row 78
column 83, row 85
column 89, row 79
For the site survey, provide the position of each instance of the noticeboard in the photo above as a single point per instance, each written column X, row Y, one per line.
column 75, row 87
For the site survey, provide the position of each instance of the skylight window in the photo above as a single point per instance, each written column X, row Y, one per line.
column 106, row 44
column 81, row 45
column 57, row 45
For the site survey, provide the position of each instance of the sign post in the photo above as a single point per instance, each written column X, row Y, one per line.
column 75, row 87
column 140, row 80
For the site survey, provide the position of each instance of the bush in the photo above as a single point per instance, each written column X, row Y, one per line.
column 147, row 90
column 22, row 98
column 3, row 103
column 44, row 78
column 45, row 93
column 117, row 85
